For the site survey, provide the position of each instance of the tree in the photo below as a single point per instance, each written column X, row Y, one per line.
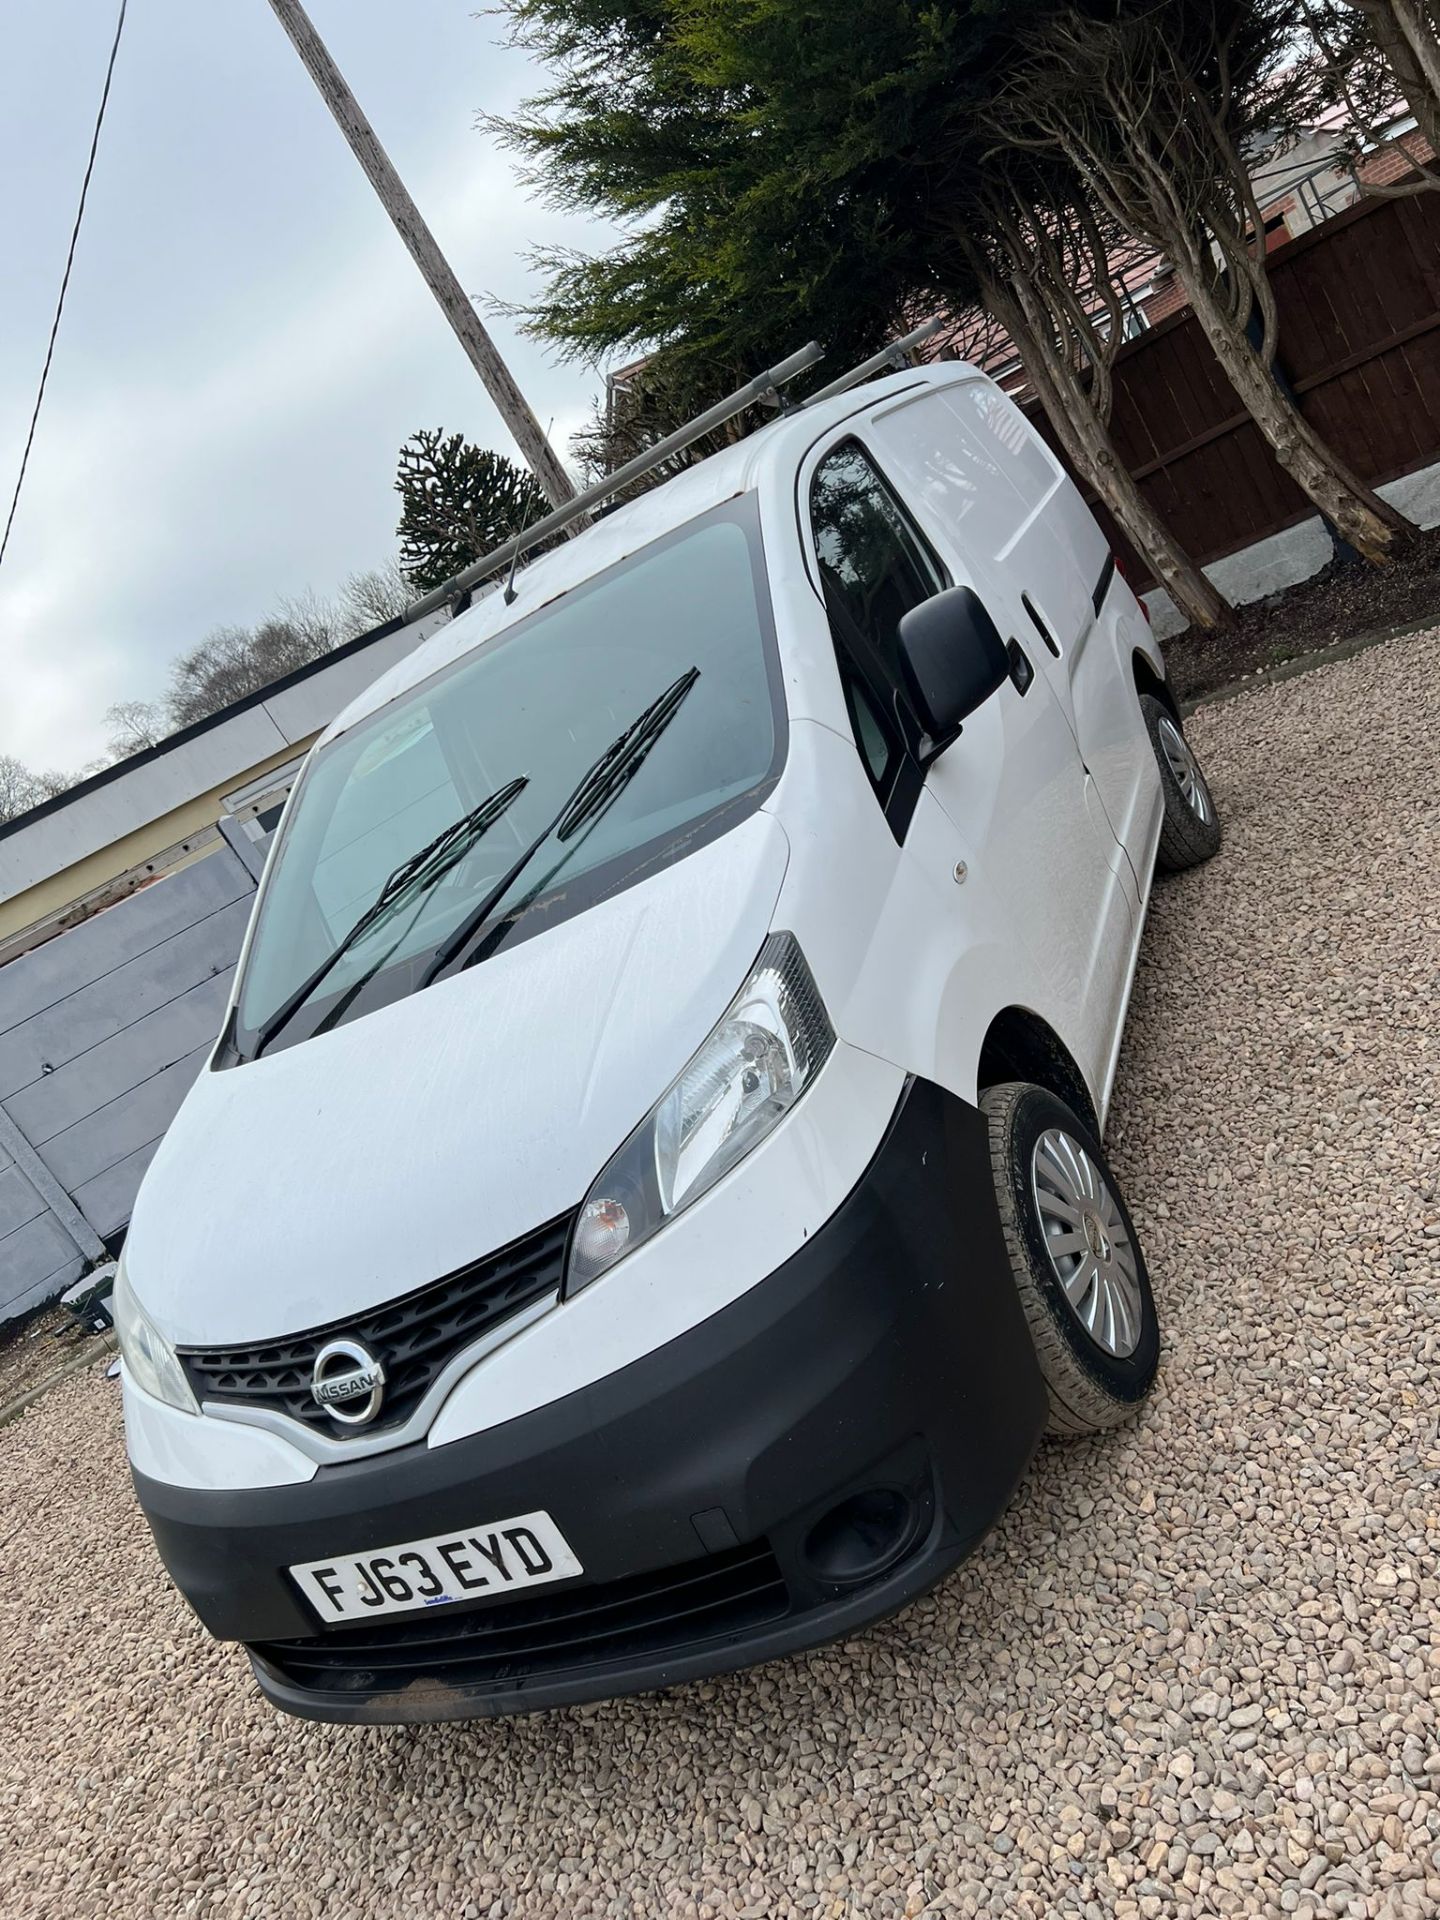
column 458, row 502
column 372, row 598
column 235, row 661
column 1407, row 32
column 20, row 789
column 1154, row 105
column 801, row 170
column 659, row 395
column 232, row 662
column 1051, row 271
column 1365, row 66
column 134, row 725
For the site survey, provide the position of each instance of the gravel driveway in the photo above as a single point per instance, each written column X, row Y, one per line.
column 1193, row 1670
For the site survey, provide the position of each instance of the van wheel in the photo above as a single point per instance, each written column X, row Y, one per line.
column 1191, row 832
column 1076, row 1259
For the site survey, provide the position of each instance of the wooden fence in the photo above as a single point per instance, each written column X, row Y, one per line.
column 1359, row 302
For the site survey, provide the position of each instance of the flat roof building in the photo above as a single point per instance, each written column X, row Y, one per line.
column 224, row 778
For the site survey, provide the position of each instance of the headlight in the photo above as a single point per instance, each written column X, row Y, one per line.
column 149, row 1358
column 750, row 1072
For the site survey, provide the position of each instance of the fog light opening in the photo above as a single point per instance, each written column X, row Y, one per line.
column 861, row 1536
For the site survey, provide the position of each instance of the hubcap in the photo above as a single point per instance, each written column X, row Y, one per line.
column 1186, row 769
column 1085, row 1236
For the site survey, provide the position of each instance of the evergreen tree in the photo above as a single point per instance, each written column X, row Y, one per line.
column 458, row 501
column 791, row 169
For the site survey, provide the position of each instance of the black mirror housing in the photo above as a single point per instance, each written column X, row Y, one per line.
column 952, row 659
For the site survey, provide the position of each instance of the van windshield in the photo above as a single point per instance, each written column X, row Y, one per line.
column 537, row 704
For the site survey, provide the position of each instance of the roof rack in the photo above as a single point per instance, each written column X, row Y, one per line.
column 764, row 387
column 897, row 354
column 763, row 390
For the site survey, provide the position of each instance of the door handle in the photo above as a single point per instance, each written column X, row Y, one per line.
column 1040, row 626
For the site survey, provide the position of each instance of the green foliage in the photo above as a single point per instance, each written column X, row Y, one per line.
column 788, row 169
column 458, row 501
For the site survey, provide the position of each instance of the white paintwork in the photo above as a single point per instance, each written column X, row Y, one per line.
column 418, row 1138
column 998, row 506
column 1013, row 787
column 705, row 1258
column 405, row 1145
column 213, row 1456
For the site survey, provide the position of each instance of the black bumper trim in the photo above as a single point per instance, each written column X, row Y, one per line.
column 891, row 1351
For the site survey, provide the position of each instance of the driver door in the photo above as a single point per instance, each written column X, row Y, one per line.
column 1008, row 809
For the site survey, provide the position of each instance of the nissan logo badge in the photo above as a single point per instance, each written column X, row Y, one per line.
column 348, row 1381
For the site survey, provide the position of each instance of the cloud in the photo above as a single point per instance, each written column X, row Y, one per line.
column 183, row 496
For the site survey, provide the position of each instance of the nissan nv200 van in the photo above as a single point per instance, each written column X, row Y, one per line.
column 647, row 1199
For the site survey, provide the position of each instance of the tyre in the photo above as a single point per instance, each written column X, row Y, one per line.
column 1076, row 1259
column 1191, row 832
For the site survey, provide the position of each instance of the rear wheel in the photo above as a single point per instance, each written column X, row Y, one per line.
column 1191, row 831
column 1076, row 1259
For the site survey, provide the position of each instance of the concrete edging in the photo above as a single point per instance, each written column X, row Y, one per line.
column 97, row 1349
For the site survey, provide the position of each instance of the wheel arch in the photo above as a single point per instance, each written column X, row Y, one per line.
column 1019, row 1045
column 1147, row 680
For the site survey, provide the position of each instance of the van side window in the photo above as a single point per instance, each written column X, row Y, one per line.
column 873, row 737
column 874, row 564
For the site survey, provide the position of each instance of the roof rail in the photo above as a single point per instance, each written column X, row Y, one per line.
column 764, row 387
column 897, row 354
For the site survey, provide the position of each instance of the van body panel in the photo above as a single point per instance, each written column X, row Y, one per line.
column 909, row 962
column 215, row 1456
column 1113, row 735
column 975, row 467
column 489, row 1102
column 1014, row 791
column 840, row 1368
column 703, row 1261
column 1040, row 862
column 994, row 495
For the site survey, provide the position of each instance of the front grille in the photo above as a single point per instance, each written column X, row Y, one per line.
column 414, row 1337
column 552, row 1633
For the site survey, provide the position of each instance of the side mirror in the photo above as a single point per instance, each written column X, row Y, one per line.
column 952, row 659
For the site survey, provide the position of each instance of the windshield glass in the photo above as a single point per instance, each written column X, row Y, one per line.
column 539, row 702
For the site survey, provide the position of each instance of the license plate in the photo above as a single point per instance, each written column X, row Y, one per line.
column 500, row 1556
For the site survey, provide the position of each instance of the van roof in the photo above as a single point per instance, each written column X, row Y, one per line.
column 780, row 445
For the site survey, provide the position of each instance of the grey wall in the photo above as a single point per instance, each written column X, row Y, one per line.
column 1285, row 559
column 38, row 1258
column 102, row 1031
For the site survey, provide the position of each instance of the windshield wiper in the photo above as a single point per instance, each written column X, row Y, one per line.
column 592, row 795
column 423, row 869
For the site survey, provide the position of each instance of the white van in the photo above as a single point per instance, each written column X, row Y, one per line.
column 646, row 1201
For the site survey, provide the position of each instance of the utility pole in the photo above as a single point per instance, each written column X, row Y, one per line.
column 454, row 303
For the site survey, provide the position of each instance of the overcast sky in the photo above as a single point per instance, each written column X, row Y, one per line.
column 246, row 342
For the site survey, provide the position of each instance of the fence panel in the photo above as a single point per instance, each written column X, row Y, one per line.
column 1359, row 304
column 38, row 1258
column 102, row 1031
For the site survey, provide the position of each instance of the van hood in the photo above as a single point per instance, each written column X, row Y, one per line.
column 358, row 1165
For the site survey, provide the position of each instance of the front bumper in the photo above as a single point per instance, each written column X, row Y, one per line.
column 886, row 1365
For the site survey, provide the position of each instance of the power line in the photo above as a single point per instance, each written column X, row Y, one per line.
column 65, row 280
